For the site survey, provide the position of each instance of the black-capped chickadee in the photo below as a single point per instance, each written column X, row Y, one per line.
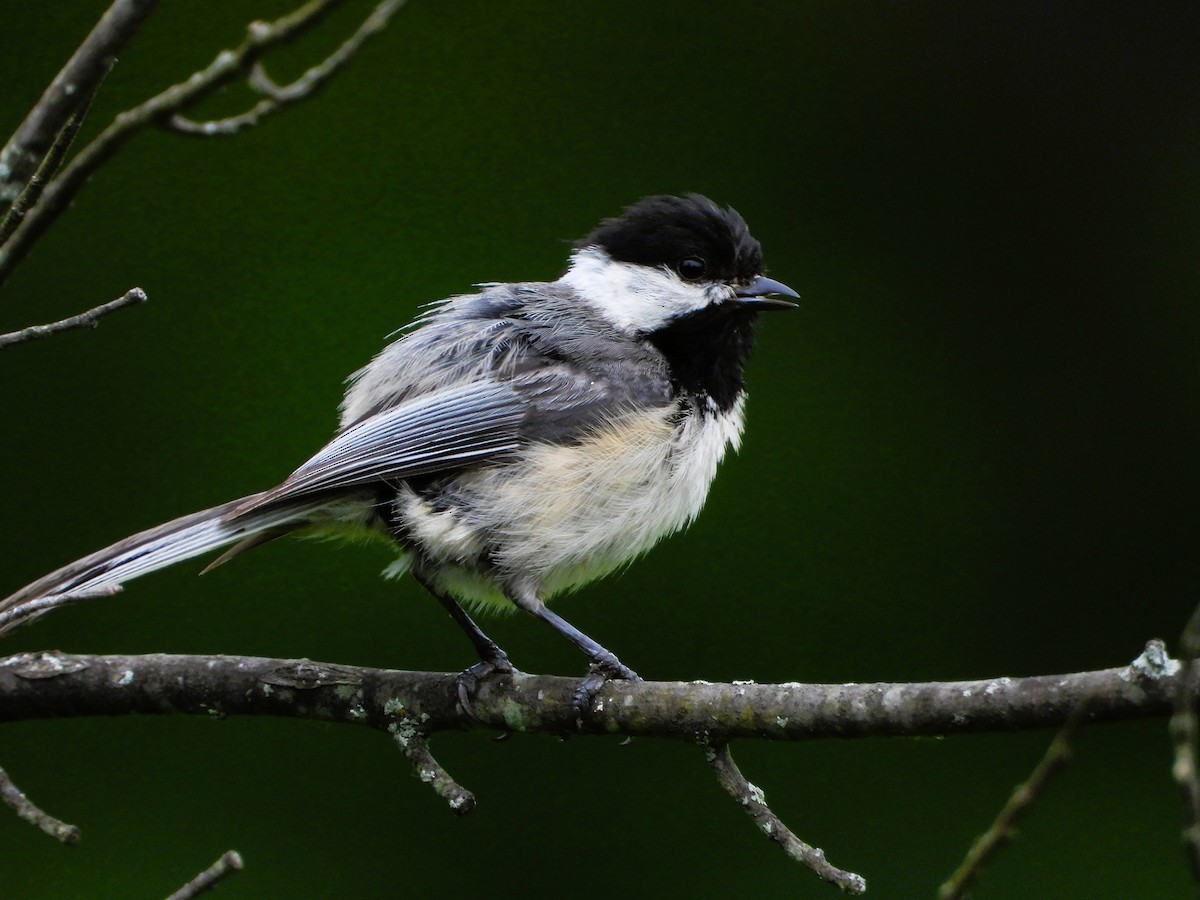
column 518, row 442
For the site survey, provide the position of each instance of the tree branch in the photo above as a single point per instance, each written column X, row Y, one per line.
column 48, row 168
column 89, row 319
column 276, row 96
column 227, row 66
column 412, row 705
column 59, row 685
column 78, row 79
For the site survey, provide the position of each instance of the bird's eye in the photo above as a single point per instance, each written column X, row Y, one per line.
column 692, row 268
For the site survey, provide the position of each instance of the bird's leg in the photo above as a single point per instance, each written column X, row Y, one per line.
column 491, row 657
column 604, row 663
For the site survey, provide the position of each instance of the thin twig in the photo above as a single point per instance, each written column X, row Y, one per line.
column 27, row 810
column 89, row 319
column 276, row 96
column 1002, row 830
column 1184, row 734
column 415, row 747
column 23, row 154
column 230, row 862
column 226, row 67
column 47, row 170
column 754, row 802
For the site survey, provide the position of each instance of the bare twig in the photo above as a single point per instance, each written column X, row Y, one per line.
column 755, row 803
column 227, row 66
column 89, row 319
column 49, row 167
column 230, row 862
column 415, row 747
column 1184, row 735
column 23, row 154
column 276, row 96
column 27, row 810
column 1002, row 830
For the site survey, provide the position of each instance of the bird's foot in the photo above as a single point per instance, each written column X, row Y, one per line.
column 494, row 662
column 604, row 668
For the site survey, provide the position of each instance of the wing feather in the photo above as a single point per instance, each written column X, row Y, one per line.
column 467, row 388
column 436, row 432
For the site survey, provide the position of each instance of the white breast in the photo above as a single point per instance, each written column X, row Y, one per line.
column 571, row 514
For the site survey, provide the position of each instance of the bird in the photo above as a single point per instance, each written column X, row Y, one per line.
column 516, row 443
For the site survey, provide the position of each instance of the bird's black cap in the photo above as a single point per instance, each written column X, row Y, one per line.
column 664, row 231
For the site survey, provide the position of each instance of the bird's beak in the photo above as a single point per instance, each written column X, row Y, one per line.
column 756, row 295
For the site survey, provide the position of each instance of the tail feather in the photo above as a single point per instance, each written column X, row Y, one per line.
column 249, row 543
column 149, row 550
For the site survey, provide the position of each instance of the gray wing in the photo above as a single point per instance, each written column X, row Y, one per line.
column 450, row 429
column 532, row 382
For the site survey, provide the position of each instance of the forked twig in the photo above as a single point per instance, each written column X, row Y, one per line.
column 25, row 151
column 275, row 96
column 227, row 66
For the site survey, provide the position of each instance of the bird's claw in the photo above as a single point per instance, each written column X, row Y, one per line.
column 603, row 669
column 468, row 679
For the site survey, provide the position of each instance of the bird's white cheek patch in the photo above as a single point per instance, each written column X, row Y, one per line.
column 637, row 299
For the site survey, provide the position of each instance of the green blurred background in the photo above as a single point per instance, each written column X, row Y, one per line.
column 972, row 452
